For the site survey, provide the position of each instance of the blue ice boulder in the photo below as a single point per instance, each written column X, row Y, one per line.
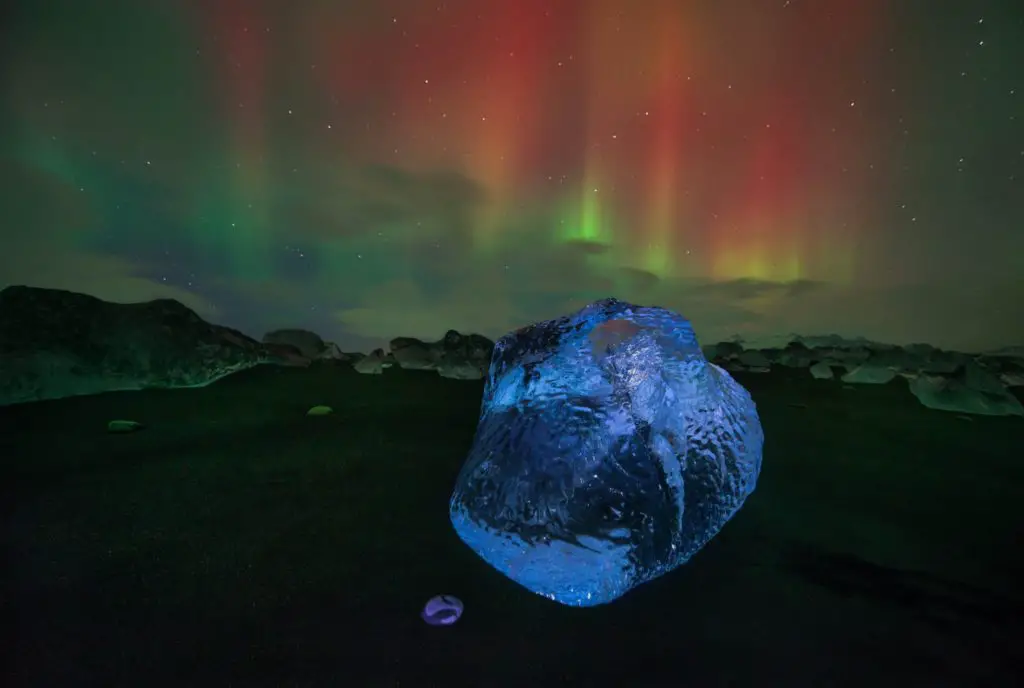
column 608, row 452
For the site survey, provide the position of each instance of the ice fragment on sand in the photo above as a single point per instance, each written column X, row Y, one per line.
column 607, row 453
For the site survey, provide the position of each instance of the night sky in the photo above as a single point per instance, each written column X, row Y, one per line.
column 376, row 168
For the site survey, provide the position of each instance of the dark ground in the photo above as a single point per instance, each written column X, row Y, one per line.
column 237, row 542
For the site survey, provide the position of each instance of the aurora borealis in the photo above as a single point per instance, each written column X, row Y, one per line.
column 398, row 167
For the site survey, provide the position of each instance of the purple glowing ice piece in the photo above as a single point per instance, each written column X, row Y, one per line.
column 442, row 610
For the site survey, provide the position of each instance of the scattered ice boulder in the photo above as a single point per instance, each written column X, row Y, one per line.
column 953, row 394
column 332, row 352
column 977, row 377
column 373, row 363
column 458, row 356
column 1012, row 379
column 935, row 361
column 835, row 341
column 755, row 361
column 461, row 370
column 973, row 383
column 795, row 356
column 56, row 344
column 710, row 351
column 412, row 354
column 608, row 452
column 309, row 344
column 123, row 426
column 822, row 371
column 287, row 355
column 442, row 610
column 869, row 374
column 1007, row 365
column 724, row 351
column 847, row 358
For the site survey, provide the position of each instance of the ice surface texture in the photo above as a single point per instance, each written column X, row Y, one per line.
column 607, row 453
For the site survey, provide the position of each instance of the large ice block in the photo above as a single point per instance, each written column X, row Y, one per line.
column 607, row 453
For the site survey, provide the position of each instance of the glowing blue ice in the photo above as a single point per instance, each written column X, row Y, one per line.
column 608, row 452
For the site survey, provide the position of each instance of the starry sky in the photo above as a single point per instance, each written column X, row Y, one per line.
column 403, row 167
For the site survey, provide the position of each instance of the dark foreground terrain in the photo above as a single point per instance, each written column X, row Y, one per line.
column 236, row 541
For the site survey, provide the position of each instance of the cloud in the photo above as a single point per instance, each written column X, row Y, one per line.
column 528, row 276
column 359, row 201
column 424, row 275
column 638, row 280
column 959, row 317
column 106, row 277
column 46, row 222
column 402, row 308
column 587, row 247
column 964, row 317
column 745, row 289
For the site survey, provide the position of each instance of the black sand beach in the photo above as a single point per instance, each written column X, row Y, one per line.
column 235, row 541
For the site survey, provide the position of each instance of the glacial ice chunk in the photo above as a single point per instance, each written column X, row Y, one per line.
column 442, row 610
column 607, row 453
